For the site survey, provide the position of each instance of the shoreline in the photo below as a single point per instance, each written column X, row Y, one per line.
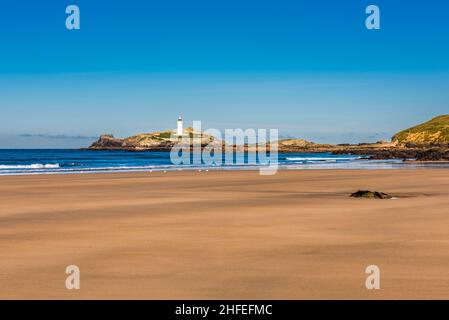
column 427, row 161
column 419, row 165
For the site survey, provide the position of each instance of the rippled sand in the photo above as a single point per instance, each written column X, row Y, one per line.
column 232, row 234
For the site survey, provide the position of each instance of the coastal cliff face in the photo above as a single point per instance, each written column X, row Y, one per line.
column 107, row 141
column 435, row 131
column 426, row 142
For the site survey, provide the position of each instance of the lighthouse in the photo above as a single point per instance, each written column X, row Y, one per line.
column 179, row 128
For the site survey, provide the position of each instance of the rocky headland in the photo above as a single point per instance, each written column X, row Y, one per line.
column 425, row 142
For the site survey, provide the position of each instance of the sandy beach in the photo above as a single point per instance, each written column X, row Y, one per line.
column 225, row 235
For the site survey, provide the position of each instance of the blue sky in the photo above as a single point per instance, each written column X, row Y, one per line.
column 309, row 68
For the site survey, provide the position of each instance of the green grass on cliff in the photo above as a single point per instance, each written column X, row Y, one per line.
column 433, row 131
column 165, row 135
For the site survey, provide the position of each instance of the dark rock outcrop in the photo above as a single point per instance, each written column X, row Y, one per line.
column 423, row 153
column 370, row 194
column 433, row 155
column 107, row 141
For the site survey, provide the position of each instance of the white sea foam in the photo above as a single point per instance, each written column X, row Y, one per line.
column 320, row 158
column 31, row 166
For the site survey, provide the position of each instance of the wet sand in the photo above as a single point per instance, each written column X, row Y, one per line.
column 225, row 235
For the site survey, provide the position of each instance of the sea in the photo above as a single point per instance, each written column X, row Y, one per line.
column 69, row 161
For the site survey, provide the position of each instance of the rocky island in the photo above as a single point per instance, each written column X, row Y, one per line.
column 155, row 141
column 428, row 141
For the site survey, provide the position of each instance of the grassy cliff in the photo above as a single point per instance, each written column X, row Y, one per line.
column 435, row 131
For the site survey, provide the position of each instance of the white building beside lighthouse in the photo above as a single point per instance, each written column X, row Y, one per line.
column 179, row 127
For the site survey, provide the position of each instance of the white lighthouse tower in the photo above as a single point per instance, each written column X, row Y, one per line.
column 179, row 128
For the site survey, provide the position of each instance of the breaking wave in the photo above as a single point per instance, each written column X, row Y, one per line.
column 321, row 159
column 31, row 166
